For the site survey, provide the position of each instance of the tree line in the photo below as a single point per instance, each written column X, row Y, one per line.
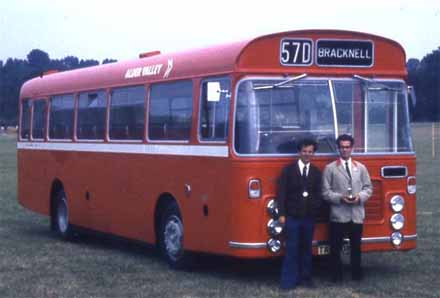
column 423, row 74
column 14, row 72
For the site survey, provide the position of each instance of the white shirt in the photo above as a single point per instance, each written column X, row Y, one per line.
column 350, row 165
column 302, row 165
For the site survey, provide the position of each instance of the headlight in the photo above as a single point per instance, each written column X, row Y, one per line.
column 397, row 221
column 272, row 208
column 274, row 227
column 397, row 202
column 273, row 245
column 396, row 238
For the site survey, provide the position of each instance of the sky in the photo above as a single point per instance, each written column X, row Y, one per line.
column 92, row 29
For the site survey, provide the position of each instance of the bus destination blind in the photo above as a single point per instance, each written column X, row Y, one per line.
column 351, row 53
column 328, row 52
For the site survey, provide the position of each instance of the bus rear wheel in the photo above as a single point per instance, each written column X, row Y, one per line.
column 61, row 216
column 171, row 238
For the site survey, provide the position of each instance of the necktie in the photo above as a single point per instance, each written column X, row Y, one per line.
column 347, row 169
column 304, row 174
column 304, row 182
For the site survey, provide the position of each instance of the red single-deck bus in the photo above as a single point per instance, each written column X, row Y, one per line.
column 184, row 149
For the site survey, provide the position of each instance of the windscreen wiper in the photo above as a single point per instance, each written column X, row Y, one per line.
column 277, row 85
column 379, row 86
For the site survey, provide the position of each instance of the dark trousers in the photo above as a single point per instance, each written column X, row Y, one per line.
column 337, row 232
column 297, row 263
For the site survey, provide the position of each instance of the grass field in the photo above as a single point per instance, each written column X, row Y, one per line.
column 35, row 263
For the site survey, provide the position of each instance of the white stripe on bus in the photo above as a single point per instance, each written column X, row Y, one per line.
column 157, row 149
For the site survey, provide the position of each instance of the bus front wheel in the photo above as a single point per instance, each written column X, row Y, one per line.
column 61, row 216
column 171, row 238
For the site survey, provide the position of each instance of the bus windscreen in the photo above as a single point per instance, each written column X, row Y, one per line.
column 271, row 117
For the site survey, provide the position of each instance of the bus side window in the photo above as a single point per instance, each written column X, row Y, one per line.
column 170, row 111
column 61, row 117
column 91, row 115
column 214, row 109
column 38, row 119
column 25, row 124
column 127, row 113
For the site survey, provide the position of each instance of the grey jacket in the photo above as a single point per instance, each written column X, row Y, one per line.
column 335, row 183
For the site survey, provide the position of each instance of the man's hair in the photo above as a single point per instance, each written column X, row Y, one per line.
column 307, row 142
column 345, row 137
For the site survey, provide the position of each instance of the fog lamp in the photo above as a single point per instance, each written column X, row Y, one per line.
column 397, row 221
column 273, row 245
column 274, row 227
column 272, row 208
column 396, row 238
column 397, row 202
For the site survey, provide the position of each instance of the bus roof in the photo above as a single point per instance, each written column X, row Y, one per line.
column 257, row 56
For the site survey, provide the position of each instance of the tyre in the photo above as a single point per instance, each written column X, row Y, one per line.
column 61, row 216
column 171, row 238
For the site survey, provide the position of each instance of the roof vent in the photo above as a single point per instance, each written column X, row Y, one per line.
column 149, row 54
column 48, row 72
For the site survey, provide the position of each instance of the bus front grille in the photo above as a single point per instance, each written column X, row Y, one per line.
column 373, row 207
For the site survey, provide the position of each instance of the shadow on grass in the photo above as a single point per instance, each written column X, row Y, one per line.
column 95, row 240
column 250, row 271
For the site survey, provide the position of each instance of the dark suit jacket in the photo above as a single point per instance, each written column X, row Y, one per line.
column 290, row 189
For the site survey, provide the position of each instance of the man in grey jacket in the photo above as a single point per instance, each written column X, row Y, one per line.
column 346, row 185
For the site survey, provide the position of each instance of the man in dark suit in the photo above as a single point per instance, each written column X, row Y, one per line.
column 299, row 198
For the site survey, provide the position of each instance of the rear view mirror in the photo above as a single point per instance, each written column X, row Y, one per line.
column 214, row 91
column 412, row 95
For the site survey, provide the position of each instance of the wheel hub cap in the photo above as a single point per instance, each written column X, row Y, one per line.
column 173, row 236
column 62, row 217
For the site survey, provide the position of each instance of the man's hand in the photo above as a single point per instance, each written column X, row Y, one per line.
column 351, row 201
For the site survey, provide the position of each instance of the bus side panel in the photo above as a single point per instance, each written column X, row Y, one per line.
column 206, row 210
column 123, row 190
column 33, row 192
column 100, row 191
column 38, row 169
column 125, row 196
column 117, row 193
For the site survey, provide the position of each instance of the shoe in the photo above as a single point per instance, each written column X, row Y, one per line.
column 337, row 279
column 308, row 284
column 287, row 289
column 357, row 275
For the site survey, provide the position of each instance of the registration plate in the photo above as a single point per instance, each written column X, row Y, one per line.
column 323, row 250
column 346, row 248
